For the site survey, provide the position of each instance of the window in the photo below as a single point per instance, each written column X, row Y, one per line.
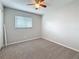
column 23, row 22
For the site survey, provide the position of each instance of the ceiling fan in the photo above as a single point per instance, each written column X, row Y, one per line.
column 38, row 4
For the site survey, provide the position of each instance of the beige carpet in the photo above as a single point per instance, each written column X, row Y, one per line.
column 38, row 49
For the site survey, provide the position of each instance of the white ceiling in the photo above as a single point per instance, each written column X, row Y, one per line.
column 22, row 5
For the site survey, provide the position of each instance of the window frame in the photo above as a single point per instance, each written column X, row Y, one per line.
column 22, row 27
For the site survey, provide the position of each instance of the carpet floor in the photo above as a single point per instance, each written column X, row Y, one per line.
column 37, row 49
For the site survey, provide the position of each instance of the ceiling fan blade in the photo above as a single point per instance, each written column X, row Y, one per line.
column 37, row 1
column 43, row 5
column 41, row 0
column 30, row 4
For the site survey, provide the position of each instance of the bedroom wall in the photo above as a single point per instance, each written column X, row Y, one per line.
column 1, row 26
column 17, row 35
column 61, row 25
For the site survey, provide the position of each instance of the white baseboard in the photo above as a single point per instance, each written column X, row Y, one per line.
column 24, row 40
column 61, row 44
column 46, row 39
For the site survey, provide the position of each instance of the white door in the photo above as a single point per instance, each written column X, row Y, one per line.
column 1, row 29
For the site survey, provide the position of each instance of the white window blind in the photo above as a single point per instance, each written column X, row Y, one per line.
column 23, row 22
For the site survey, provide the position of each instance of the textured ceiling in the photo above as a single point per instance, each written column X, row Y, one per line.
column 22, row 5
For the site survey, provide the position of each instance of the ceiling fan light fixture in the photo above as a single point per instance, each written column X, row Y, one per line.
column 37, row 5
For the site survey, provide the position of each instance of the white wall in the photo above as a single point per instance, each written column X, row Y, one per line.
column 1, row 25
column 62, row 25
column 17, row 35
